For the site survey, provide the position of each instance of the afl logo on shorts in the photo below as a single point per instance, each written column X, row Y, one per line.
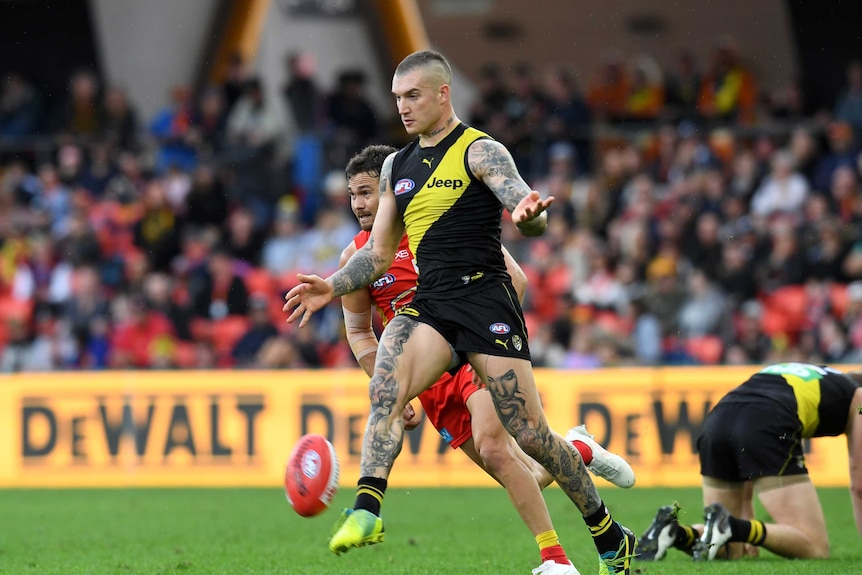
column 499, row 328
column 383, row 281
column 403, row 186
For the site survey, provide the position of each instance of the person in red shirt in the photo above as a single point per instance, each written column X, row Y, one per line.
column 144, row 340
column 457, row 405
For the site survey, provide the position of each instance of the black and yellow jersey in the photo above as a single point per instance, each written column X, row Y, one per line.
column 819, row 396
column 451, row 218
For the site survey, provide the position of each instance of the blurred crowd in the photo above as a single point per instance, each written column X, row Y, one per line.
column 698, row 220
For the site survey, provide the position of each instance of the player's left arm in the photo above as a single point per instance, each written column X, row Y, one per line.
column 519, row 278
column 854, row 447
column 492, row 163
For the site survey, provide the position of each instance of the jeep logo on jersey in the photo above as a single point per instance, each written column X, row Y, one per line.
column 438, row 183
column 383, row 281
column 402, row 255
column 500, row 328
column 403, row 186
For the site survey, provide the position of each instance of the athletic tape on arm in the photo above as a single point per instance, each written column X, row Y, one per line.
column 360, row 333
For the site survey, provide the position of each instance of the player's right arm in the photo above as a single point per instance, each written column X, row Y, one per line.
column 492, row 163
column 854, row 447
column 358, row 327
column 366, row 265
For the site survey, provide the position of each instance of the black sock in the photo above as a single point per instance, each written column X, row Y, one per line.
column 744, row 531
column 369, row 494
column 684, row 537
column 606, row 532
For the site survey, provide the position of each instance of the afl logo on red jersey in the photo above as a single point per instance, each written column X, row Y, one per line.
column 403, row 186
column 383, row 281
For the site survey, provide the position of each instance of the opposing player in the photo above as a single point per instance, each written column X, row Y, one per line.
column 461, row 411
column 447, row 190
column 752, row 442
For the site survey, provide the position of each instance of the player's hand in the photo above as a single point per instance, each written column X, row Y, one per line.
column 310, row 295
column 530, row 207
column 410, row 417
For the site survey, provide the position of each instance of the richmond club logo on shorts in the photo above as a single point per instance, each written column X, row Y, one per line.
column 499, row 328
column 403, row 186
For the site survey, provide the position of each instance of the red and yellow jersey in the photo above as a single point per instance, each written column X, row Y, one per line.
column 398, row 284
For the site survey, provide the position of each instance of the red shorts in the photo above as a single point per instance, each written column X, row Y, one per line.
column 445, row 403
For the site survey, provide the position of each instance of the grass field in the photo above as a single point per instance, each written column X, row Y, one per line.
column 248, row 531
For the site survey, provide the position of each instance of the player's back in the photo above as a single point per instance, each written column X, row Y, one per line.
column 820, row 396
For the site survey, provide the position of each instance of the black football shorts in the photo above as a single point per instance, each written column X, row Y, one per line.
column 489, row 321
column 744, row 441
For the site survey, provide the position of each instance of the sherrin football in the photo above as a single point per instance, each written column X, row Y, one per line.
column 311, row 477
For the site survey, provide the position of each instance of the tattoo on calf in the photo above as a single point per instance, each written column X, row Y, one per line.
column 385, row 433
column 541, row 443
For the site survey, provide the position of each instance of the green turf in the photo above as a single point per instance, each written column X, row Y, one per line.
column 248, row 531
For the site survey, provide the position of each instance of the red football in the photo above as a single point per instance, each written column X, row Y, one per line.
column 311, row 477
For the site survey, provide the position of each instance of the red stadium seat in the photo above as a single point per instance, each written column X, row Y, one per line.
column 259, row 281
column 706, row 349
column 839, row 299
column 792, row 302
column 226, row 332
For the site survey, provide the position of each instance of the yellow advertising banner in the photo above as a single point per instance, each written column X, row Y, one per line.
column 237, row 428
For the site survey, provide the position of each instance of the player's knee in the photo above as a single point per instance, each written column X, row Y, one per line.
column 818, row 549
column 494, row 453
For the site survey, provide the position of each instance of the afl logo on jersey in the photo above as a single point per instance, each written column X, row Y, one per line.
column 500, row 328
column 403, row 186
column 383, row 281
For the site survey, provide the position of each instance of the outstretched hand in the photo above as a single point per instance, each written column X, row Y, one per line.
column 310, row 295
column 530, row 207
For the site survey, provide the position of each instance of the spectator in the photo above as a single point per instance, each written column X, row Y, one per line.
column 20, row 107
column 236, row 79
column 206, row 202
column 491, row 98
column 283, row 248
column 646, row 94
column 172, row 129
column 848, row 106
column 683, row 88
column 664, row 297
column 86, row 304
column 841, row 152
column 209, row 123
column 255, row 138
column 704, row 311
column 120, row 126
column 608, row 92
column 159, row 295
column 353, row 120
column 243, row 242
column 246, row 350
column 142, row 338
column 301, row 94
column 82, row 114
column 157, row 231
column 728, row 92
column 783, row 191
column 216, row 290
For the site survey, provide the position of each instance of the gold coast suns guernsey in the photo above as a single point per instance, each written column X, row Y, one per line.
column 820, row 396
column 451, row 218
column 395, row 288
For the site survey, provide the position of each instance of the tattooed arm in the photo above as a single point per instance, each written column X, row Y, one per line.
column 362, row 268
column 492, row 163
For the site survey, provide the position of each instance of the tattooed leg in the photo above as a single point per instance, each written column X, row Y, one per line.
column 410, row 357
column 513, row 389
